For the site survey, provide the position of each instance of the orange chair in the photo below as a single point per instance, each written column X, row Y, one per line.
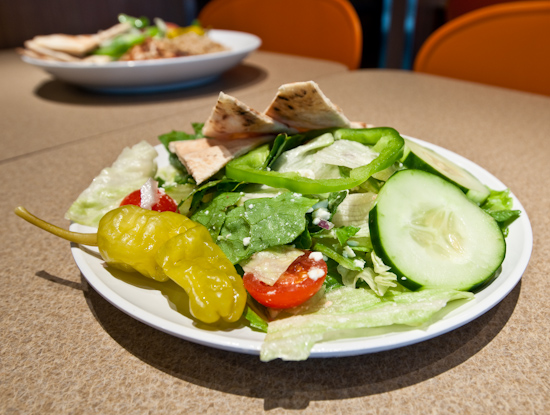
column 455, row 8
column 325, row 29
column 506, row 45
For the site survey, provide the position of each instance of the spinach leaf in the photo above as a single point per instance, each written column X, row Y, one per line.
column 213, row 214
column 263, row 223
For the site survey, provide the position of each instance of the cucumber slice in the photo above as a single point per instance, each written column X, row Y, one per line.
column 423, row 158
column 432, row 235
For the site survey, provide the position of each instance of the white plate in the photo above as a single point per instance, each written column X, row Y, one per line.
column 158, row 74
column 148, row 305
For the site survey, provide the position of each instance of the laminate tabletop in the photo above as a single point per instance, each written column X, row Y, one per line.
column 66, row 350
column 31, row 99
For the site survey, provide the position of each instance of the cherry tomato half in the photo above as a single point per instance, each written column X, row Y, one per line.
column 165, row 203
column 292, row 288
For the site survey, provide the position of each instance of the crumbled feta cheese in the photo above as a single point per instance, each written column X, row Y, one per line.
column 316, row 256
column 359, row 263
column 149, row 194
column 315, row 273
column 246, row 241
column 322, row 214
column 316, row 221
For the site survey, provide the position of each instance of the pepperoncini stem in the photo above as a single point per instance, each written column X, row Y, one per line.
column 77, row 237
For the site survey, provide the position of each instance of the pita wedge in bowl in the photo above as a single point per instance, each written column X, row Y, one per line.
column 71, row 48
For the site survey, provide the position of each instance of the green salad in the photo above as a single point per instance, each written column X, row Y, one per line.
column 333, row 229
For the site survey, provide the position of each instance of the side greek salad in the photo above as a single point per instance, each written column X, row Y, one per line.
column 302, row 224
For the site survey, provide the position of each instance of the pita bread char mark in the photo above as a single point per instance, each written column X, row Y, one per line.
column 232, row 119
column 204, row 157
column 303, row 105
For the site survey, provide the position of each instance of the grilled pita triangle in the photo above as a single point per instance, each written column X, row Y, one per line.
column 231, row 119
column 204, row 157
column 302, row 105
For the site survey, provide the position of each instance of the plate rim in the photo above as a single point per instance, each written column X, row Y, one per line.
column 338, row 348
column 153, row 62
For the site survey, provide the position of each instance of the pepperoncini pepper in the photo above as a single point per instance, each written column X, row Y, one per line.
column 129, row 237
column 194, row 262
column 162, row 246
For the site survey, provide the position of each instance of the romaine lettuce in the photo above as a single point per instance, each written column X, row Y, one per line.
column 133, row 167
column 348, row 309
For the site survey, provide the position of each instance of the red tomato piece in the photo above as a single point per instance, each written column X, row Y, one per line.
column 165, row 203
column 292, row 288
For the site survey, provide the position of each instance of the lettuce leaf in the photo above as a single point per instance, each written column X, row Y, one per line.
column 300, row 160
column 343, row 233
column 262, row 223
column 213, row 214
column 348, row 309
column 499, row 206
column 378, row 277
column 133, row 167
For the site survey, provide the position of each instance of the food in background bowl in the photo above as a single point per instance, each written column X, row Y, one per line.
column 131, row 39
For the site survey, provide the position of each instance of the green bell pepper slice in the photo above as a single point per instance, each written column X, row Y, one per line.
column 386, row 141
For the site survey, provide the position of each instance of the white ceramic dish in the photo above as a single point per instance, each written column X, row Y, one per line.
column 155, row 75
column 144, row 301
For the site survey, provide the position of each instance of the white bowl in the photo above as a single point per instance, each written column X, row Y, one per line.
column 158, row 74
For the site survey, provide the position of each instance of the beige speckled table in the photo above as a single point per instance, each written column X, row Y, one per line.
column 65, row 350
column 32, row 99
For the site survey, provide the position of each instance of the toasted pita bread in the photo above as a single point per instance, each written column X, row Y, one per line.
column 68, row 48
column 112, row 32
column 49, row 53
column 360, row 124
column 302, row 105
column 204, row 157
column 232, row 119
column 75, row 45
column 33, row 54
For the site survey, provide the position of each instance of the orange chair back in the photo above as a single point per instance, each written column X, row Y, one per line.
column 325, row 29
column 455, row 8
column 506, row 45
